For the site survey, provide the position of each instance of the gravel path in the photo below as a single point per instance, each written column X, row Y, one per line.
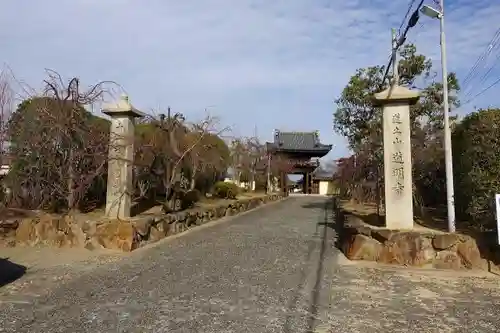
column 274, row 269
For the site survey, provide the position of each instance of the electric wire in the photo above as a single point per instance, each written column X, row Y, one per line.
column 485, row 76
column 412, row 2
column 482, row 92
column 482, row 57
column 411, row 23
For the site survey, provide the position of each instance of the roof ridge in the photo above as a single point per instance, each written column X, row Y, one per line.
column 298, row 132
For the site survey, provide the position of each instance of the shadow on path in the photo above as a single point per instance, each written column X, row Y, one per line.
column 10, row 271
column 321, row 231
column 292, row 306
column 314, row 304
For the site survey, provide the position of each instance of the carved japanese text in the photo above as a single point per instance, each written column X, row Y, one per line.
column 397, row 156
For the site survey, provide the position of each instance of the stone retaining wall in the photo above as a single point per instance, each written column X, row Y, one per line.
column 415, row 248
column 67, row 231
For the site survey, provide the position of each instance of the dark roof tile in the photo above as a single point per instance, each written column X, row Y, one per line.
column 322, row 174
column 296, row 140
column 299, row 141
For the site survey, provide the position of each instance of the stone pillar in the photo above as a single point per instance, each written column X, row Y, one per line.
column 396, row 103
column 268, row 174
column 284, row 184
column 121, row 157
column 304, row 183
column 308, row 183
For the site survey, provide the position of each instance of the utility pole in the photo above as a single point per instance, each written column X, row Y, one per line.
column 268, row 169
column 448, row 156
column 395, row 73
column 394, row 82
column 450, row 195
column 268, row 172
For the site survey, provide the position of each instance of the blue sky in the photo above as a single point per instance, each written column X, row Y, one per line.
column 255, row 63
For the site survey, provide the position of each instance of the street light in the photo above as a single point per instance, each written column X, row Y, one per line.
column 431, row 12
column 436, row 14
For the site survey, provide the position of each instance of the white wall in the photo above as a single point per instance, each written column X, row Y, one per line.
column 326, row 187
column 4, row 169
column 323, row 187
column 246, row 185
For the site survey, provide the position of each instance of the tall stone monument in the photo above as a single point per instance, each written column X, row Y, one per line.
column 121, row 157
column 396, row 101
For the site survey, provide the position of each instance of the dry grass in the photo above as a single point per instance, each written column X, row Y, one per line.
column 430, row 221
column 213, row 201
column 359, row 208
column 209, row 202
column 255, row 194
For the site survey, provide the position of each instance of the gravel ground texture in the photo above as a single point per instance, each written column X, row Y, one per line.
column 274, row 269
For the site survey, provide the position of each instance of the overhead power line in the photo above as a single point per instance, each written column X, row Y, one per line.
column 482, row 57
column 482, row 91
column 411, row 23
column 402, row 38
column 485, row 76
column 438, row 4
column 412, row 2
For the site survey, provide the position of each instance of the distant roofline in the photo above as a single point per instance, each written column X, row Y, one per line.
column 323, row 177
column 319, row 151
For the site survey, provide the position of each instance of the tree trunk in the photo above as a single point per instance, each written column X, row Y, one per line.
column 268, row 181
column 251, row 180
column 238, row 177
column 171, row 187
column 193, row 179
column 71, row 182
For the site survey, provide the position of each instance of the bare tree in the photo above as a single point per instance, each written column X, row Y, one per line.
column 65, row 147
column 257, row 158
column 175, row 143
column 74, row 131
column 208, row 154
column 6, row 106
column 239, row 158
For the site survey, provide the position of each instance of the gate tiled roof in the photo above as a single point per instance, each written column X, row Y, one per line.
column 299, row 142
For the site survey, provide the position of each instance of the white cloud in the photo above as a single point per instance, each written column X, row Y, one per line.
column 274, row 64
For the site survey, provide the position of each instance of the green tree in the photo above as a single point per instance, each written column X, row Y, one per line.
column 476, row 162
